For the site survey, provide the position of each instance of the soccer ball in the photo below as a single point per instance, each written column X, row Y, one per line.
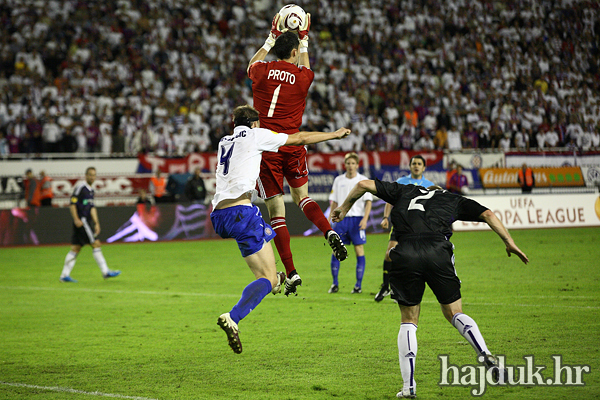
column 292, row 18
column 464, row 190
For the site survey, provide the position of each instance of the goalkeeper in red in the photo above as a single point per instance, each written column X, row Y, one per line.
column 279, row 91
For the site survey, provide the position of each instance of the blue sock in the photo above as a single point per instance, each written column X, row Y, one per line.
column 251, row 297
column 335, row 269
column 360, row 270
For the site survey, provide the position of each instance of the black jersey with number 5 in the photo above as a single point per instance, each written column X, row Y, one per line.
column 420, row 211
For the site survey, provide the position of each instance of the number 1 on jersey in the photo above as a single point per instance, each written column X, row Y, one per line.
column 225, row 157
column 274, row 101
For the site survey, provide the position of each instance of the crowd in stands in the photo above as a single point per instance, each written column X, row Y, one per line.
column 130, row 76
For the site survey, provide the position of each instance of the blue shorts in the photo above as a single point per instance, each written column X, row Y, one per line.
column 349, row 231
column 245, row 224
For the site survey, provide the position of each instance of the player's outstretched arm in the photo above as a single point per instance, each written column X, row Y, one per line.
column 511, row 248
column 305, row 138
column 269, row 43
column 356, row 193
column 303, row 59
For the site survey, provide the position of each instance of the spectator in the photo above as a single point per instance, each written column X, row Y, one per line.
column 47, row 194
column 68, row 143
column 522, row 141
column 458, row 182
column 195, row 190
column 158, row 187
column 424, row 143
column 526, row 179
column 33, row 190
column 440, row 141
column 454, row 139
column 51, row 133
column 442, row 77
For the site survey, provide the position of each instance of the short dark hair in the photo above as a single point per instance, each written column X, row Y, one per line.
column 244, row 116
column 284, row 45
column 419, row 157
column 89, row 169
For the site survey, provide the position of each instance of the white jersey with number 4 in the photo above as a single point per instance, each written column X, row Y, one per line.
column 238, row 160
column 342, row 187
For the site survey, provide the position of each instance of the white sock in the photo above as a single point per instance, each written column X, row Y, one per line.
column 470, row 331
column 407, row 351
column 100, row 260
column 69, row 264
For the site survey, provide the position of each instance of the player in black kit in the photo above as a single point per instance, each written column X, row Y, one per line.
column 86, row 228
column 422, row 221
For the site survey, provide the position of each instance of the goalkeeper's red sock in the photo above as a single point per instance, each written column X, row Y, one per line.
column 314, row 213
column 282, row 242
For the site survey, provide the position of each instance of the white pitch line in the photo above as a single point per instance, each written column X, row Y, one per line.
column 69, row 390
column 342, row 298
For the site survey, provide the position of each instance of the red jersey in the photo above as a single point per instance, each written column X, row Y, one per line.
column 279, row 90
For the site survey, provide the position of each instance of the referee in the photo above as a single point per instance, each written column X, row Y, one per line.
column 422, row 225
column 86, row 228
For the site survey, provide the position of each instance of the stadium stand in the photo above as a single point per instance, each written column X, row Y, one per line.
column 130, row 76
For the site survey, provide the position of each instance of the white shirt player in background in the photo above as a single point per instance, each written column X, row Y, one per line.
column 417, row 168
column 234, row 215
column 353, row 228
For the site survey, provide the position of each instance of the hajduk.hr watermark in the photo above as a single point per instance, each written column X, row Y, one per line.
column 529, row 374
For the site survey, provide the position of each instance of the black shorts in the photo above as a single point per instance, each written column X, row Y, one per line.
column 83, row 235
column 418, row 260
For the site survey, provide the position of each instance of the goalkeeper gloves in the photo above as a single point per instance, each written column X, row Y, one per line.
column 303, row 34
column 274, row 34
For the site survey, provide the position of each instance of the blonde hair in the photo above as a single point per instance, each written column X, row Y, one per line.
column 352, row 155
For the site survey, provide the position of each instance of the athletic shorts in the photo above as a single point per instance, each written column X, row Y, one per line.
column 245, row 224
column 288, row 162
column 83, row 235
column 419, row 260
column 349, row 231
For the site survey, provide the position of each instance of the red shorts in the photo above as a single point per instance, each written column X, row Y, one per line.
column 288, row 162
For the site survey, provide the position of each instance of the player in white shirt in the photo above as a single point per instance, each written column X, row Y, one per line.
column 234, row 215
column 352, row 230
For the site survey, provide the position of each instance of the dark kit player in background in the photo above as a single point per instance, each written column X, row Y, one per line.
column 86, row 228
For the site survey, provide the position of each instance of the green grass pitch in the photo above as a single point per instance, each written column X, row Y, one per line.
column 152, row 334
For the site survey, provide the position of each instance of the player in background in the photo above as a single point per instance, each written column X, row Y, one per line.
column 352, row 229
column 279, row 90
column 422, row 225
column 86, row 228
column 234, row 215
column 417, row 168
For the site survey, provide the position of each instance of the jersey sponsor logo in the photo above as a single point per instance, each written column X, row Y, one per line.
column 283, row 76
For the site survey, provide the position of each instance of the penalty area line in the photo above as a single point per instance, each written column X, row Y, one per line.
column 69, row 390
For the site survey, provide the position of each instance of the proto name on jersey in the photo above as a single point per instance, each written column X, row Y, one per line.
column 283, row 76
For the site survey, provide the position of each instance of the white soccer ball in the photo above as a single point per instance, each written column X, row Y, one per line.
column 465, row 190
column 292, row 18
